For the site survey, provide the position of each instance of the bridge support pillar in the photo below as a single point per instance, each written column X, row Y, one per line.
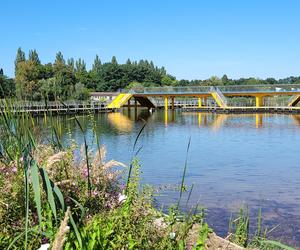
column 199, row 102
column 173, row 102
column 166, row 103
column 135, row 103
column 259, row 101
column 128, row 105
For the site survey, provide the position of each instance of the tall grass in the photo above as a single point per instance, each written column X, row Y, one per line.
column 18, row 144
column 182, row 187
column 134, row 154
column 239, row 233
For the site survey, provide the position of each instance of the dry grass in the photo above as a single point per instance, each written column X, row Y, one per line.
column 60, row 237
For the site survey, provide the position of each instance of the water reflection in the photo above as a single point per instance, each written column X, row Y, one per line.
column 258, row 120
column 296, row 119
column 120, row 121
column 219, row 121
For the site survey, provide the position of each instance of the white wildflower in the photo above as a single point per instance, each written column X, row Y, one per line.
column 44, row 246
column 122, row 198
column 172, row 235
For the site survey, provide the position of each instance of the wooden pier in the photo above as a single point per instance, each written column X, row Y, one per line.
column 86, row 107
column 57, row 108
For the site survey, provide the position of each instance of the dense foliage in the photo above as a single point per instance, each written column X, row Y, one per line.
column 70, row 79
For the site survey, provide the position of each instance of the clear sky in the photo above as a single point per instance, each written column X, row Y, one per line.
column 192, row 39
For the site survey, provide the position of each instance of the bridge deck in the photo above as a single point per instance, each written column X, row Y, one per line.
column 238, row 90
column 195, row 94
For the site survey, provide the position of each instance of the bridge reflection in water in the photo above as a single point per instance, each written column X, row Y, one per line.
column 124, row 121
column 120, row 122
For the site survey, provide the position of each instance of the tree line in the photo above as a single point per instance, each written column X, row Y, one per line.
column 70, row 79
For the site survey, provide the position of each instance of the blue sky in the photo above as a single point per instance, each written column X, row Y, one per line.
column 192, row 39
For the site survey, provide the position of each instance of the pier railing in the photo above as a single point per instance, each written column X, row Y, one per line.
column 39, row 107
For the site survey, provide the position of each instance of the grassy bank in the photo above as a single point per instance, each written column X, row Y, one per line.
column 52, row 196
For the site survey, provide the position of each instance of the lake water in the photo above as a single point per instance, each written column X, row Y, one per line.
column 234, row 161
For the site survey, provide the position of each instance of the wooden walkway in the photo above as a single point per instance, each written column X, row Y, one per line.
column 56, row 108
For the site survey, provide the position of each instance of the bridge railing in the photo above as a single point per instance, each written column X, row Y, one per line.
column 260, row 88
column 170, row 89
column 223, row 89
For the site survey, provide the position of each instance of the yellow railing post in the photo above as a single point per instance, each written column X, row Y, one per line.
column 259, row 101
column 199, row 102
column 166, row 103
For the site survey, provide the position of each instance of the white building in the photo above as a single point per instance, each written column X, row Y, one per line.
column 103, row 96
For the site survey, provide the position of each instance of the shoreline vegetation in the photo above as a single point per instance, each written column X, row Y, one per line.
column 68, row 197
column 66, row 79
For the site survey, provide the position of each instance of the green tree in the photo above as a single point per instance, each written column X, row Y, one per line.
column 135, row 85
column 60, row 62
column 214, row 81
column 34, row 57
column 49, row 88
column 20, row 57
column 270, row 81
column 46, row 71
column 81, row 74
column 81, row 92
column 224, row 79
column 168, row 80
column 1, row 72
column 7, row 86
column 64, row 76
column 252, row 81
column 71, row 64
column 80, row 65
column 26, row 80
column 96, row 65
column 128, row 62
column 114, row 60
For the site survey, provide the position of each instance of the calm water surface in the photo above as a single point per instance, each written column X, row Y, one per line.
column 234, row 160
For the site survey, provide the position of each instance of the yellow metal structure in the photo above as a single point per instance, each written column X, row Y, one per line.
column 199, row 102
column 119, row 101
column 219, row 94
column 144, row 101
column 259, row 101
column 166, row 102
column 218, row 99
column 294, row 101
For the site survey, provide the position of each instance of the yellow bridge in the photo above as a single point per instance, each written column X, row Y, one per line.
column 219, row 94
